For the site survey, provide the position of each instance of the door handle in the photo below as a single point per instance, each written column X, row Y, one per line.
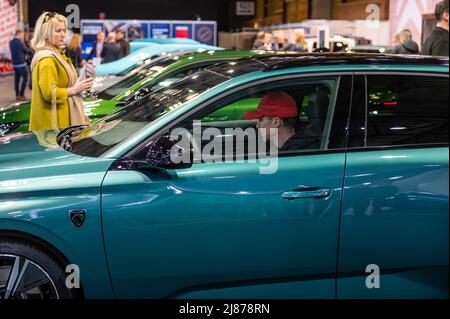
column 303, row 193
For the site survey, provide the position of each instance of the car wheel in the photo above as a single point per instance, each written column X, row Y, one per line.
column 29, row 272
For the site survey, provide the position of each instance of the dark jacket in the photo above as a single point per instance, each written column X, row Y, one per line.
column 110, row 52
column 407, row 47
column 76, row 56
column 19, row 52
column 437, row 43
column 124, row 47
column 93, row 52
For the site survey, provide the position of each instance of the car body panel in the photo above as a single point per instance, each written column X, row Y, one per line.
column 277, row 241
column 35, row 200
column 395, row 215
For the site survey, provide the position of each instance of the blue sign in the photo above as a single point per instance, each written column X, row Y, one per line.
column 87, row 48
column 205, row 33
column 137, row 30
column 160, row 30
column 90, row 30
column 182, row 31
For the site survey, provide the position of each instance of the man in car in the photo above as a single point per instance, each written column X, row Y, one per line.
column 278, row 110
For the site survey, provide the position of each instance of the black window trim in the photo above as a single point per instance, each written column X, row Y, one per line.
column 391, row 147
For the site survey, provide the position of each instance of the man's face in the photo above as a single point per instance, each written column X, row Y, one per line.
column 119, row 36
column 265, row 124
column 267, row 38
column 101, row 37
column 21, row 36
column 445, row 18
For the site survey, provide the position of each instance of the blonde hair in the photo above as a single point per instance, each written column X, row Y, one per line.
column 44, row 29
column 300, row 40
column 75, row 42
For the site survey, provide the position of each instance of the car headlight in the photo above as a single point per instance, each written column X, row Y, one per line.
column 6, row 128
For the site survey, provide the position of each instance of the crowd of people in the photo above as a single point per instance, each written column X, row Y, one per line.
column 108, row 49
column 265, row 41
column 435, row 45
column 115, row 46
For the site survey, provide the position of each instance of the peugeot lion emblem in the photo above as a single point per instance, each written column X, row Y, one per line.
column 77, row 217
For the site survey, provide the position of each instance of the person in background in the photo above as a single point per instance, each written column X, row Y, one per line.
column 407, row 45
column 56, row 101
column 19, row 52
column 259, row 41
column 437, row 42
column 300, row 43
column 267, row 42
column 29, row 57
column 111, row 50
column 74, row 52
column 98, row 47
column 396, row 40
column 280, row 43
column 123, row 43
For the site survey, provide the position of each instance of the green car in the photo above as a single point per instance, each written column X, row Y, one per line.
column 174, row 197
column 156, row 74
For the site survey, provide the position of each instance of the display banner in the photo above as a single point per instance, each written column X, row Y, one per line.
column 202, row 31
column 160, row 30
column 205, row 33
column 182, row 31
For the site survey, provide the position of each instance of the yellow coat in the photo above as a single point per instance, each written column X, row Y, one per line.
column 48, row 72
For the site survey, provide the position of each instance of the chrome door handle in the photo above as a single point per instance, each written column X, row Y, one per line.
column 303, row 193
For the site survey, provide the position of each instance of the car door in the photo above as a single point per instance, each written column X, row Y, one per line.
column 394, row 225
column 225, row 229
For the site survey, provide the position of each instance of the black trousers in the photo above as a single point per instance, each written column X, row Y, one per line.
column 20, row 74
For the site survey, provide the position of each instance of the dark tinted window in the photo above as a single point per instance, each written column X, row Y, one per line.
column 405, row 110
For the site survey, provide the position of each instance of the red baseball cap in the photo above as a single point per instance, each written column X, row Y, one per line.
column 275, row 104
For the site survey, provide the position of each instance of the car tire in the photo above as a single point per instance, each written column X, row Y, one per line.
column 24, row 265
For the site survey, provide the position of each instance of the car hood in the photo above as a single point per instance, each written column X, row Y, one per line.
column 30, row 158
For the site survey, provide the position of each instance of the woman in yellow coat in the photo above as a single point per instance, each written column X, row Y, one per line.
column 55, row 102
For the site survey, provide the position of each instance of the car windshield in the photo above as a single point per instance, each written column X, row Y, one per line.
column 114, row 90
column 98, row 138
column 101, row 136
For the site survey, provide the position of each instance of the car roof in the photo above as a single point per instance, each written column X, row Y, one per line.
column 279, row 62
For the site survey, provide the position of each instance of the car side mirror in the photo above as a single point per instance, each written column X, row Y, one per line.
column 165, row 153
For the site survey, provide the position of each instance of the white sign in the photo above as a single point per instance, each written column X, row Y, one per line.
column 245, row 8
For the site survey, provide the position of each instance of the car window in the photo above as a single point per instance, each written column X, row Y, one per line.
column 406, row 110
column 223, row 126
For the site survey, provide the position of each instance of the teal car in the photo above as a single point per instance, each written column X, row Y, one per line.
column 131, row 61
column 169, row 197
column 155, row 74
column 142, row 43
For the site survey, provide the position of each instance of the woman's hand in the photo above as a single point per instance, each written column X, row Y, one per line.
column 81, row 86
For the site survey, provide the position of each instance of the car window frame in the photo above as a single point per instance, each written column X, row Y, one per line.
column 366, row 74
column 136, row 149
